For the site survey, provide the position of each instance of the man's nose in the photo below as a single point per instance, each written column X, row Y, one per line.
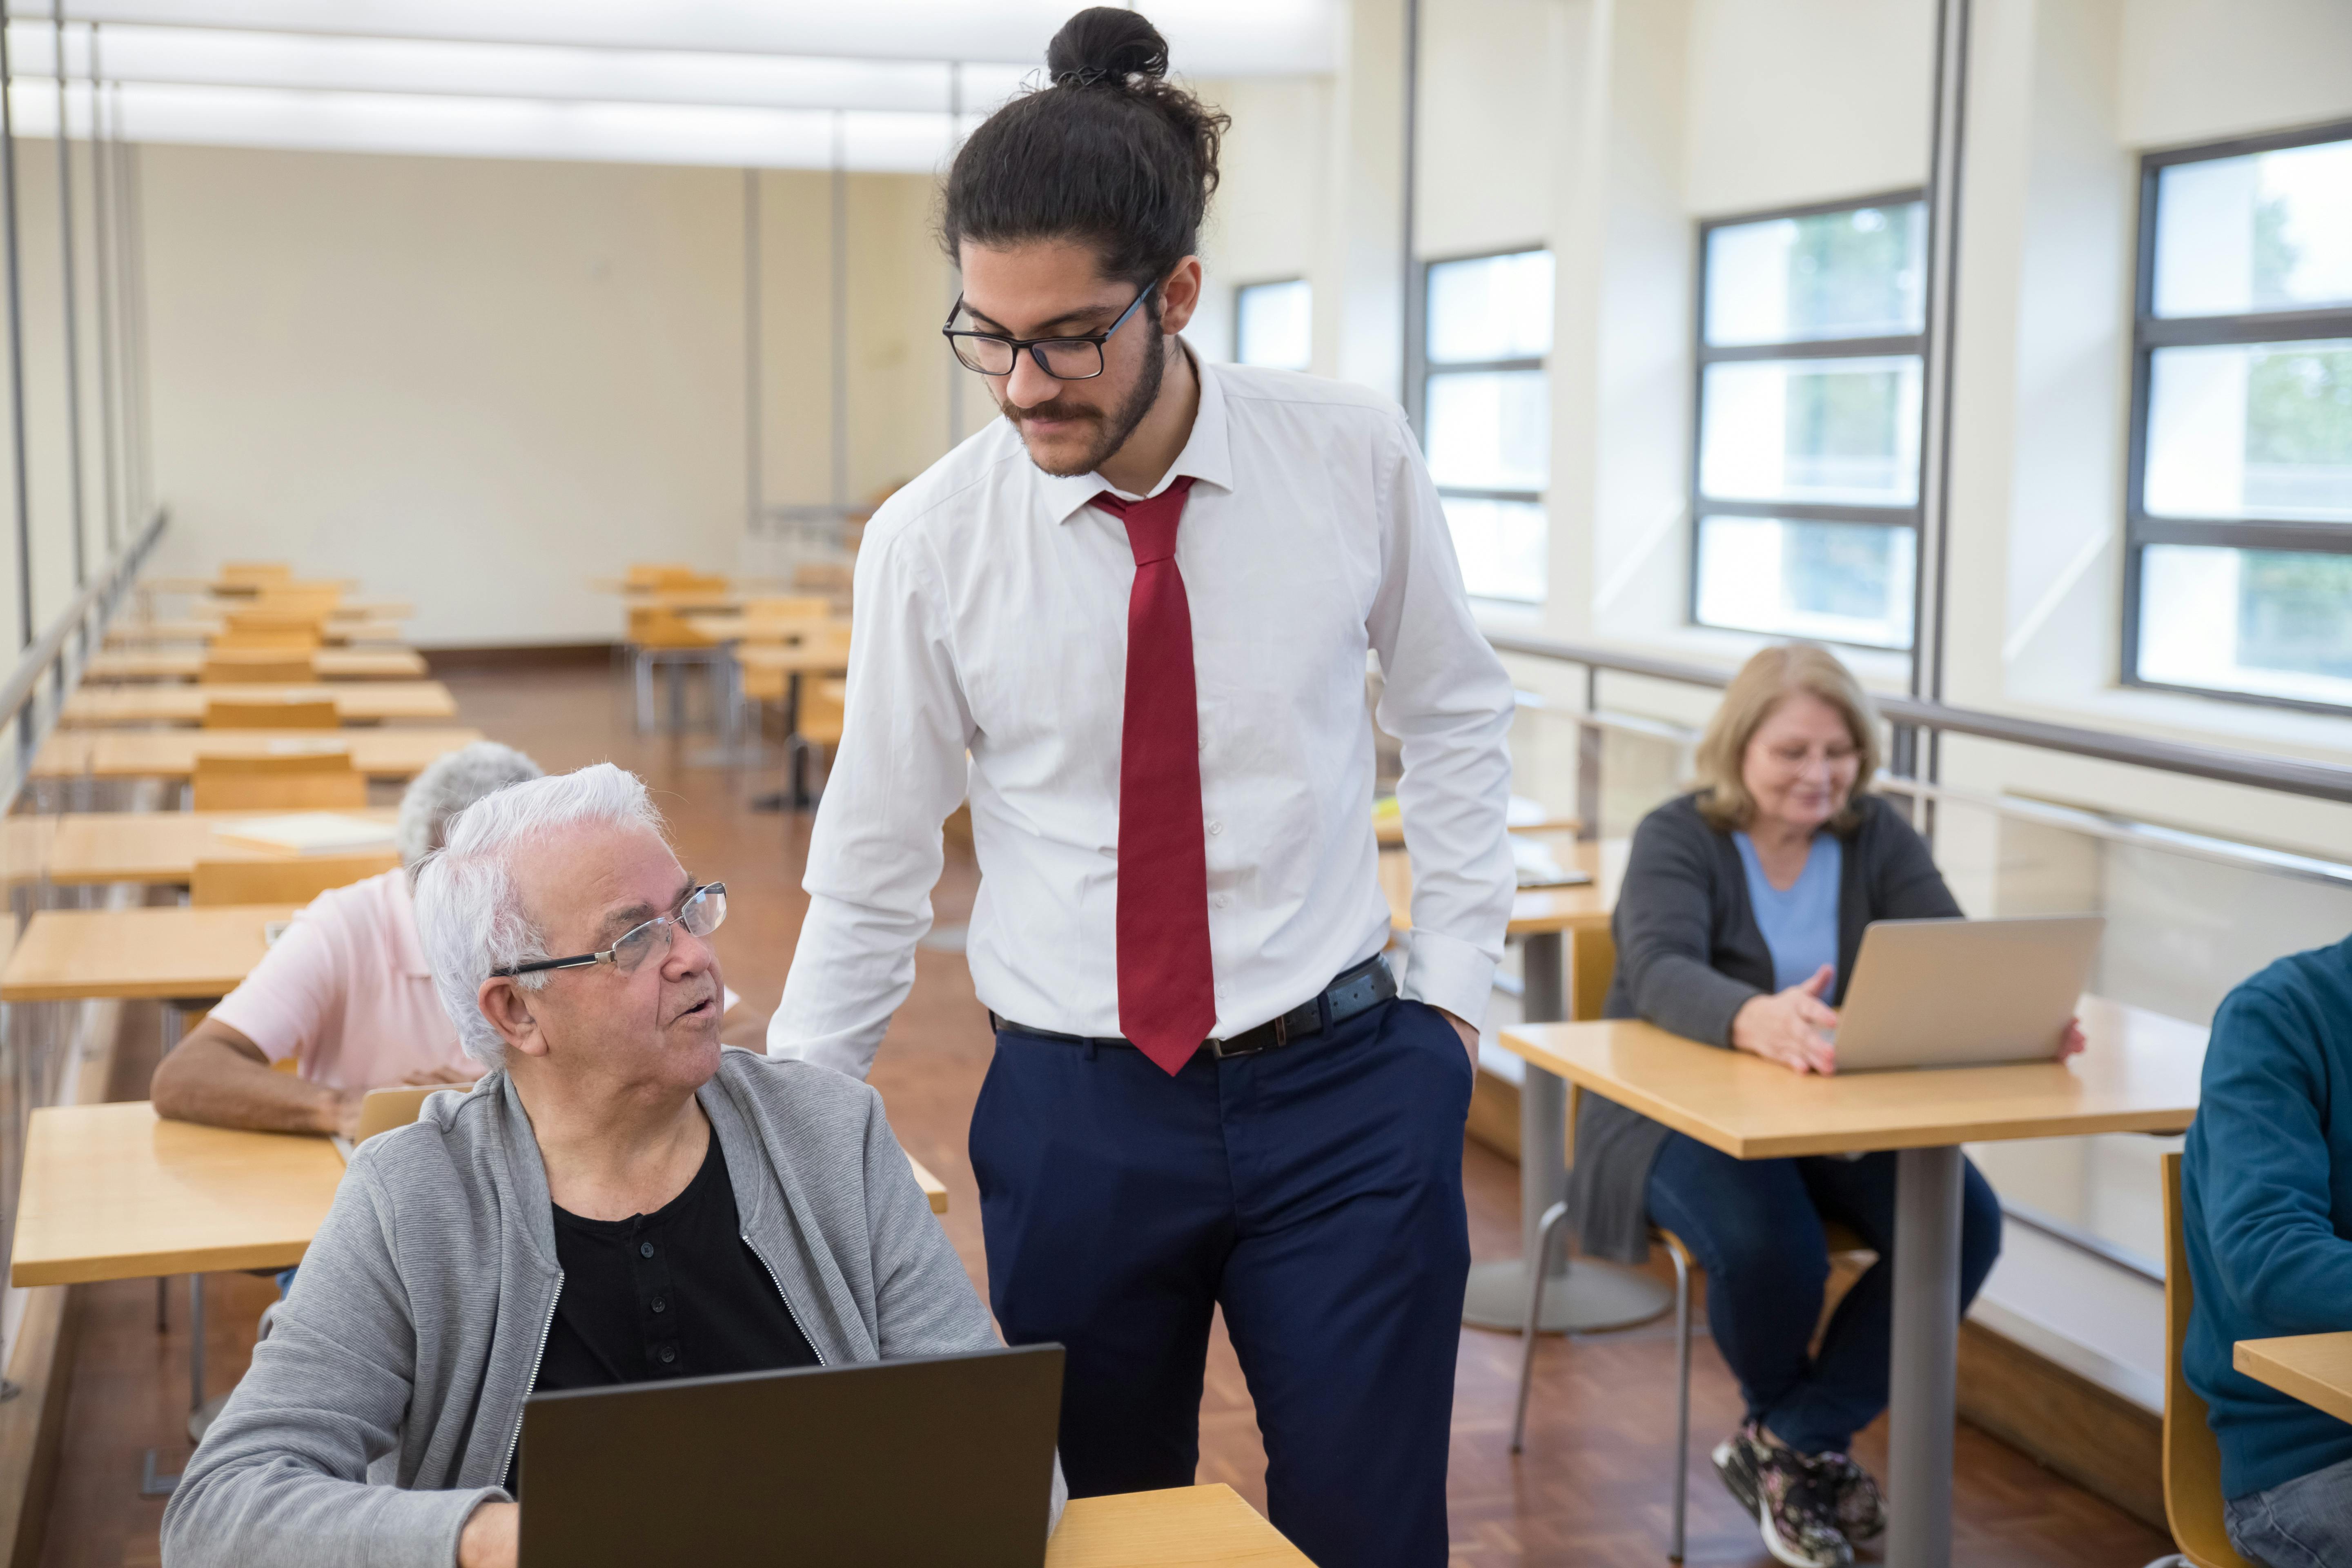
column 1029, row 385
column 688, row 954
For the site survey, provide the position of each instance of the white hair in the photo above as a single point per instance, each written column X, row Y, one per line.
column 451, row 782
column 470, row 912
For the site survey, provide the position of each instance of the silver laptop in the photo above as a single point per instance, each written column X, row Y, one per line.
column 1961, row 993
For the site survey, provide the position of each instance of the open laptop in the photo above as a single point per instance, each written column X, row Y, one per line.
column 935, row 1460
column 1962, row 993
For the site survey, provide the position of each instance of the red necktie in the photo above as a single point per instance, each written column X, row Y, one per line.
column 1167, row 988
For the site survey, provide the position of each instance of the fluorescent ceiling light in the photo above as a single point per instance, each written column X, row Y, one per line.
column 1206, row 38
column 193, row 56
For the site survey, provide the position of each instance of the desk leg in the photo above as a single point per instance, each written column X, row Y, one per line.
column 1592, row 1295
column 793, row 796
column 196, row 1356
column 1923, row 1386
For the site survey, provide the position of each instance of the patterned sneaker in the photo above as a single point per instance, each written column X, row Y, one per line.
column 1861, row 1511
column 1797, row 1510
column 1738, row 1459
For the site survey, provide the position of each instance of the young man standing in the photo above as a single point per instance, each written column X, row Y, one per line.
column 1141, row 606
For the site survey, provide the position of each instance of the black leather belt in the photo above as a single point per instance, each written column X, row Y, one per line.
column 1366, row 986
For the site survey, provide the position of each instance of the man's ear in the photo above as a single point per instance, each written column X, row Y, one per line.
column 507, row 1005
column 1179, row 295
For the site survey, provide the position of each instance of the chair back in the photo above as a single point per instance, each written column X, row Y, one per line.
column 276, row 598
column 295, row 879
column 658, row 626
column 250, row 574
column 288, row 781
column 274, row 619
column 823, row 705
column 271, row 713
column 384, row 1110
column 292, row 639
column 288, row 669
column 2192, row 1457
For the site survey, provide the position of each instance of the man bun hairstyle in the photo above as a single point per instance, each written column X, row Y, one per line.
column 1108, row 153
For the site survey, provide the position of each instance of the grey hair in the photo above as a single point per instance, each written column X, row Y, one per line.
column 451, row 782
column 470, row 912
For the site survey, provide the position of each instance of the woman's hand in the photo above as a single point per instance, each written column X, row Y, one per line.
column 2072, row 1041
column 489, row 1540
column 1786, row 1028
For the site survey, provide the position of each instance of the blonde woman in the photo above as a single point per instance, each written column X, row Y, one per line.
column 1742, row 906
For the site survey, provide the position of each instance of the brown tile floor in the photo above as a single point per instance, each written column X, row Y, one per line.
column 1592, row 1490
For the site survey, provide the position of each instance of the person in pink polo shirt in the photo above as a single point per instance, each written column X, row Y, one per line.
column 345, row 992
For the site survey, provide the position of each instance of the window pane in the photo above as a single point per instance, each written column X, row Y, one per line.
column 1501, row 546
column 1495, row 307
column 1855, row 274
column 1836, row 430
column 2252, row 430
column 2272, row 623
column 1274, row 324
column 1490, row 430
column 2269, row 231
column 1838, row 582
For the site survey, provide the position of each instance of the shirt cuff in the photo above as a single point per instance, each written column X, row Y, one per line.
column 1446, row 971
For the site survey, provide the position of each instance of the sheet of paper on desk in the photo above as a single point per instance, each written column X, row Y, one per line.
column 1537, row 868
column 1523, row 813
column 309, row 833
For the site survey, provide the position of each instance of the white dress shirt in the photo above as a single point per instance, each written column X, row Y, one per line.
column 988, row 657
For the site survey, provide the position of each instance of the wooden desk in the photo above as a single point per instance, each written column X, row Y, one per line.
column 934, row 1189
column 792, row 659
column 187, row 664
column 2315, row 1368
column 1525, row 817
column 1184, row 1527
column 82, row 847
column 390, row 753
column 68, row 955
column 199, row 629
column 355, row 702
column 2139, row 1074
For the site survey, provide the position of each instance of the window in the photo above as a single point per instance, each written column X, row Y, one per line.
column 1806, row 477
column 2238, row 566
column 1274, row 324
column 1485, row 407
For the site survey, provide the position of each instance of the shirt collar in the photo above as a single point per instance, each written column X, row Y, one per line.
column 1207, row 455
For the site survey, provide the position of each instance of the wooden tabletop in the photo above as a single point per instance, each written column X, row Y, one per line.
column 373, row 629
column 114, row 1192
column 66, row 955
column 1184, row 1527
column 792, row 660
column 2138, row 1075
column 388, row 753
column 80, row 847
column 1525, row 817
column 187, row 664
column 935, row 1191
column 2315, row 1368
column 1536, row 911
column 355, row 702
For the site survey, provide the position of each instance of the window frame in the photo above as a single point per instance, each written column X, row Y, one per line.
column 1243, row 288
column 1420, row 368
column 1704, row 354
column 2151, row 333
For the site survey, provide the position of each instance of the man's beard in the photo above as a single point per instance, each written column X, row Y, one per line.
column 1111, row 430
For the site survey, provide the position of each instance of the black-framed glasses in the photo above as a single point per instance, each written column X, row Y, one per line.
column 1063, row 359
column 701, row 912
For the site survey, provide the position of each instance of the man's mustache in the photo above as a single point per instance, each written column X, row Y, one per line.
column 1055, row 409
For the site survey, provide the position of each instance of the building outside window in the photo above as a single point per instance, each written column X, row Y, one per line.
column 1485, row 407
column 2238, row 573
column 1274, row 324
column 1805, row 500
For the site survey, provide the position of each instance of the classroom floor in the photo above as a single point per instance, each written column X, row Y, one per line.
column 1592, row 1488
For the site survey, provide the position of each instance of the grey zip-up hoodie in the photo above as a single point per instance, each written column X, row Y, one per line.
column 386, row 1400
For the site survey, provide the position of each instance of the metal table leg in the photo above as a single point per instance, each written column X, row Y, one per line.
column 1925, row 1370
column 1591, row 1295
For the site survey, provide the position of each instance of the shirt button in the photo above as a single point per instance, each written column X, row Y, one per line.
column 668, row 1355
column 1219, row 901
column 1217, row 827
column 660, row 1305
column 645, row 1250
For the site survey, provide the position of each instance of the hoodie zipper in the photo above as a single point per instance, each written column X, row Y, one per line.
column 544, row 1329
column 785, row 1296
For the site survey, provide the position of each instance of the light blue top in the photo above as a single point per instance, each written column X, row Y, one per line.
column 1800, row 925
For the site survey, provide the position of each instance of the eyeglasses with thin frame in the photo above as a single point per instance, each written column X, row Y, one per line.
column 699, row 913
column 1063, row 359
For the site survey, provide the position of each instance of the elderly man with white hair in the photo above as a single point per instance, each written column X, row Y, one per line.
column 618, row 1200
column 345, row 994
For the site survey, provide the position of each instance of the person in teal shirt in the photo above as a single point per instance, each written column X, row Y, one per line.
column 2266, row 1187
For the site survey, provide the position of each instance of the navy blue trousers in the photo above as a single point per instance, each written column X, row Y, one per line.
column 1756, row 1226
column 1314, row 1193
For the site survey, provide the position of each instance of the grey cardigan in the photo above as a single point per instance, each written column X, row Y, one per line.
column 1689, row 953
column 412, row 1336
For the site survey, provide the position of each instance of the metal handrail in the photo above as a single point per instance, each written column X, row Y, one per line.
column 45, row 655
column 2317, row 781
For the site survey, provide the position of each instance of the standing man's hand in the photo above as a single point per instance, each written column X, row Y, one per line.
column 1469, row 1036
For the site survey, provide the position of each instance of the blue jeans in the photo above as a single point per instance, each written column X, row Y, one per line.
column 1314, row 1193
column 1756, row 1226
column 2303, row 1523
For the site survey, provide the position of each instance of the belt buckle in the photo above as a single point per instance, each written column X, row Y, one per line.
column 1224, row 1049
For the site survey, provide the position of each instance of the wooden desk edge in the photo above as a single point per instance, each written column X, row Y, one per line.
column 150, row 1265
column 2257, row 1359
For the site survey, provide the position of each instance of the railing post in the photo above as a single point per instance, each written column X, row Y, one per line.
column 1588, row 760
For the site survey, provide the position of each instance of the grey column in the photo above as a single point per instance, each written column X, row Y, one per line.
column 1923, row 1385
